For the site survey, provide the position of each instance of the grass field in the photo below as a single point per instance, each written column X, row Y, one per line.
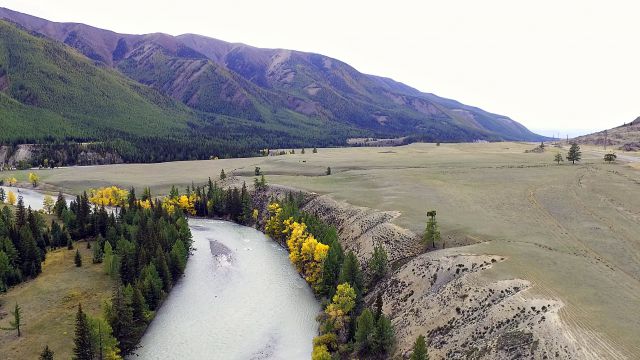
column 572, row 230
column 49, row 304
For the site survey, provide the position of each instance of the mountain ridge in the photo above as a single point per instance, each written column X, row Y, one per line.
column 275, row 88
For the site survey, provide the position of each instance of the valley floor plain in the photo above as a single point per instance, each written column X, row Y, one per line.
column 571, row 230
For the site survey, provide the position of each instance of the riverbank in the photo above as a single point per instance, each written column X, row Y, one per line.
column 441, row 294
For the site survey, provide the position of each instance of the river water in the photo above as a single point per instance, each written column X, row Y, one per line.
column 240, row 298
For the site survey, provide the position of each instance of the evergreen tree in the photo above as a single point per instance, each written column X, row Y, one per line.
column 574, row 153
column 222, row 175
column 331, row 268
column 46, row 354
column 82, row 347
column 17, row 320
column 432, row 232
column 78, row 259
column 558, row 158
column 315, row 151
column 121, row 321
column 351, row 274
column 328, row 171
column 383, row 336
column 61, row 205
column 365, row 326
column 420, row 349
column 378, row 264
column 138, row 306
column 3, row 196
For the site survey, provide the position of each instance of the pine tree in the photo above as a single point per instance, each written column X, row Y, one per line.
column 558, row 158
column 222, row 175
column 46, row 354
column 78, row 259
column 315, row 151
column 328, row 171
column 121, row 321
column 17, row 320
column 378, row 264
column 432, row 233
column 420, row 349
column 351, row 274
column 383, row 335
column 3, row 196
column 61, row 205
column 365, row 325
column 82, row 347
column 574, row 153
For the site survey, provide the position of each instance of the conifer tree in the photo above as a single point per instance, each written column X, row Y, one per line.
column 364, row 331
column 574, row 153
column 420, row 349
column 378, row 264
column 558, row 158
column 46, row 354
column 222, row 175
column 121, row 321
column 351, row 274
column 315, row 151
column 78, row 259
column 82, row 347
column 383, row 335
column 432, row 233
column 16, row 323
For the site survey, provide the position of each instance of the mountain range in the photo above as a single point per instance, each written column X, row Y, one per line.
column 74, row 82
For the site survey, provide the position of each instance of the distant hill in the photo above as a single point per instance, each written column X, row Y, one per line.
column 298, row 98
column 625, row 137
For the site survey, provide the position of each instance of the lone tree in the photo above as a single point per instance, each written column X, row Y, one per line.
column 82, row 347
column 34, row 179
column 610, row 157
column 420, row 349
column 574, row 153
column 315, row 150
column 328, row 171
column 78, row 259
column 431, row 233
column 17, row 320
column 222, row 175
column 46, row 354
column 257, row 171
column 558, row 158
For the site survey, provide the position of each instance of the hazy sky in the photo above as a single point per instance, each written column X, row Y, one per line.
column 561, row 64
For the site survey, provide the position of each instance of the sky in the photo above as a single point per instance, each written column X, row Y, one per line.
column 569, row 66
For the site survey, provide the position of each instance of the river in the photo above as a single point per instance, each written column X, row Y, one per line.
column 240, row 298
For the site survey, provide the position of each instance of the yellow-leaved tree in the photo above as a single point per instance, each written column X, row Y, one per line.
column 48, row 204
column 109, row 196
column 34, row 179
column 11, row 198
column 187, row 203
column 274, row 226
column 11, row 181
column 341, row 304
column 305, row 252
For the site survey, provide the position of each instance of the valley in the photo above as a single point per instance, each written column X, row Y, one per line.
column 567, row 231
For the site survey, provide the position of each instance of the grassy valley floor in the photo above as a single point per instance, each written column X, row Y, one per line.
column 571, row 230
column 49, row 304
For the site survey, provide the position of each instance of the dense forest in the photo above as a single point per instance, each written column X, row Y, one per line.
column 24, row 240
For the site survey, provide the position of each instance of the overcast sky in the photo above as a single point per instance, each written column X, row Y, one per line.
column 550, row 64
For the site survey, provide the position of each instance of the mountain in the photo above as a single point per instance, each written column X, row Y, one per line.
column 294, row 97
column 625, row 137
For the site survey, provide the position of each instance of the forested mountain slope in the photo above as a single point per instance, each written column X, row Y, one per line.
column 263, row 97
